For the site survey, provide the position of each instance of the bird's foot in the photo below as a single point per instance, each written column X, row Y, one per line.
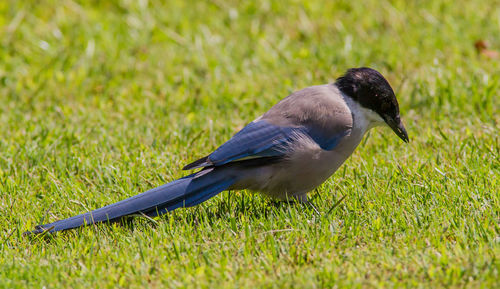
column 300, row 199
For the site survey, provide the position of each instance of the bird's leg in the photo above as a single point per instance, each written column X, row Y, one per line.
column 311, row 204
column 302, row 199
column 278, row 201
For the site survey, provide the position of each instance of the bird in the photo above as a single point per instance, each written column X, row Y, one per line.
column 284, row 154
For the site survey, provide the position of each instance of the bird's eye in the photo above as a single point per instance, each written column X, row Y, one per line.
column 385, row 106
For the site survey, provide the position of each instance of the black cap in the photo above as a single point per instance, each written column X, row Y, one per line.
column 371, row 90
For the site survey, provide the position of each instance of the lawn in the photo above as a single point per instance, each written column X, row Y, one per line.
column 101, row 100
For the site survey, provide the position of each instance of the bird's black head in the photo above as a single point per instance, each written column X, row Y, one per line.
column 371, row 90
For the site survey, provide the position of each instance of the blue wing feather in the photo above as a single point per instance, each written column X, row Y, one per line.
column 263, row 139
column 257, row 139
column 326, row 142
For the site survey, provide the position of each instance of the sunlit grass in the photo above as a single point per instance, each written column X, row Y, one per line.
column 101, row 101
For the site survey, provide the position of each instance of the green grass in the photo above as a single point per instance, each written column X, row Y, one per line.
column 102, row 101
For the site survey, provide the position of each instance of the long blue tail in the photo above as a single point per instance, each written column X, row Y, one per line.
column 185, row 192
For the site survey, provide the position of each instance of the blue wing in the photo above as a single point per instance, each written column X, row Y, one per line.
column 257, row 139
column 263, row 139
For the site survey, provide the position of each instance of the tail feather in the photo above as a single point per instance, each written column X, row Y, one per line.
column 185, row 192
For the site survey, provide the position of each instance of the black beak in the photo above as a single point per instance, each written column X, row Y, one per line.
column 397, row 126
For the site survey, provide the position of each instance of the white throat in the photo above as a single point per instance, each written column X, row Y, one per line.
column 364, row 118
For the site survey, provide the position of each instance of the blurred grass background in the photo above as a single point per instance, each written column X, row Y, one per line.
column 101, row 100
